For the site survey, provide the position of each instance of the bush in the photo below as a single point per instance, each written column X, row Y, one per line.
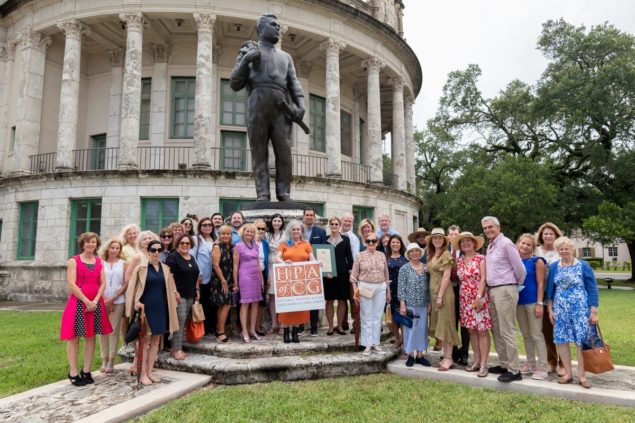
column 595, row 262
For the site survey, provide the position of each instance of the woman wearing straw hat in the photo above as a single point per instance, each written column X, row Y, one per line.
column 414, row 294
column 473, row 299
column 442, row 319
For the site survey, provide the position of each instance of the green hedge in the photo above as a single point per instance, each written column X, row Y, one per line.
column 595, row 262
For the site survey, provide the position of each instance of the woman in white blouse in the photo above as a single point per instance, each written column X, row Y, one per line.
column 114, row 300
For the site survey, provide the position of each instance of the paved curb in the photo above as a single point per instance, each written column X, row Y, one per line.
column 182, row 384
column 528, row 385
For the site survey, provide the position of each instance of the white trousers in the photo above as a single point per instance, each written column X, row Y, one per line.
column 371, row 312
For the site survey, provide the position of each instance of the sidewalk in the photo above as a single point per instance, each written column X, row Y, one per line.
column 113, row 398
column 28, row 306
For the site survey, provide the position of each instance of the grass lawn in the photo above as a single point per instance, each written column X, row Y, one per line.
column 377, row 398
column 32, row 355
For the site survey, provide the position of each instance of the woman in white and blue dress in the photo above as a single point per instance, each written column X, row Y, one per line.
column 414, row 294
column 202, row 252
column 573, row 301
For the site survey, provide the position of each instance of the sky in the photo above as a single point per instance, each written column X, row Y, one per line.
column 498, row 35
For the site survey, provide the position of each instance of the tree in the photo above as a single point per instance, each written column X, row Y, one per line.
column 613, row 224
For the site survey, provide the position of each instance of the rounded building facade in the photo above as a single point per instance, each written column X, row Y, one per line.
column 115, row 112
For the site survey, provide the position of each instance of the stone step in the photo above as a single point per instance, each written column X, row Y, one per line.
column 233, row 371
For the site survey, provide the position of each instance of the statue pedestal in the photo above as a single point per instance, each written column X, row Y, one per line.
column 265, row 209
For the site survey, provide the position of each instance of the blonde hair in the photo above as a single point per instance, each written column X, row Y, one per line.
column 335, row 218
column 563, row 240
column 125, row 230
column 137, row 244
column 246, row 226
column 224, row 228
column 103, row 253
column 363, row 223
column 530, row 237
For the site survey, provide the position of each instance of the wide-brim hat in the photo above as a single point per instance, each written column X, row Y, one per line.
column 479, row 241
column 436, row 232
column 413, row 246
column 413, row 236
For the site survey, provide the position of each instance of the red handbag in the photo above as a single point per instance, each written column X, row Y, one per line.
column 194, row 331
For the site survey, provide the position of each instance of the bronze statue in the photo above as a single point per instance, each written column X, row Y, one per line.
column 269, row 75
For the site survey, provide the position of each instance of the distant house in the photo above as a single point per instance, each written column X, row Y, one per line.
column 585, row 248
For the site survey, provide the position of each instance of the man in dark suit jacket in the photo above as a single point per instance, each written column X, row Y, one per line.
column 315, row 235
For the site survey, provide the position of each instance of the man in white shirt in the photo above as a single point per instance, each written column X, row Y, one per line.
column 347, row 229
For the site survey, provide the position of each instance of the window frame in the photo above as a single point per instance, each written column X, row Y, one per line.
column 222, row 202
column 148, row 98
column 243, row 152
column 346, row 130
column 235, row 98
column 313, row 120
column 360, row 213
column 33, row 234
column 143, row 223
column 173, row 97
column 75, row 202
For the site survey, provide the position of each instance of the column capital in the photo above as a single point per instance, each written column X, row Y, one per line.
column 373, row 64
column 116, row 57
column 73, row 28
column 28, row 38
column 133, row 21
column 332, row 45
column 303, row 68
column 409, row 101
column 397, row 83
column 160, row 52
column 205, row 22
column 7, row 51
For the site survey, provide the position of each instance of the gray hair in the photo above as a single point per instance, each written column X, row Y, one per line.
column 454, row 228
column 289, row 228
column 490, row 219
column 348, row 214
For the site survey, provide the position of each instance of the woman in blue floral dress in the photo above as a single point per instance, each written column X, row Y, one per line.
column 572, row 295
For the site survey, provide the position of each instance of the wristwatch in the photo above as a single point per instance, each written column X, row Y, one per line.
column 540, row 303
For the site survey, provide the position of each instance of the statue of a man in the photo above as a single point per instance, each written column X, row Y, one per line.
column 269, row 75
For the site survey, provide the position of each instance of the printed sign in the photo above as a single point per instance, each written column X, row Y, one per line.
column 298, row 286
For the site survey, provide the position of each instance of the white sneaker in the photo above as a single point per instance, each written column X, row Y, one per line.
column 540, row 374
column 378, row 350
column 367, row 351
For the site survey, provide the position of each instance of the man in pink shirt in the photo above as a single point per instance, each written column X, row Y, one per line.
column 505, row 272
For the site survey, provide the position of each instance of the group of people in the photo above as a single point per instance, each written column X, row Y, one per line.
column 441, row 283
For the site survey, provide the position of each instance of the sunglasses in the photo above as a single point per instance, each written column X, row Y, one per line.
column 262, row 229
column 184, row 243
column 334, row 224
column 371, row 241
column 166, row 236
column 206, row 225
column 156, row 250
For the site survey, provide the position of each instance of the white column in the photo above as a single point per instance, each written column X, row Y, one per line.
column 116, row 58
column 33, row 47
column 7, row 59
column 373, row 116
column 410, row 145
column 303, row 70
column 333, row 46
column 203, row 125
column 69, row 94
column 398, row 142
column 131, row 92
column 358, row 94
column 158, row 99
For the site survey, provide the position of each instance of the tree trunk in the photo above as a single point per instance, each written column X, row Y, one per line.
column 631, row 249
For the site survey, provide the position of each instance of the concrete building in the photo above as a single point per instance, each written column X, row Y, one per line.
column 116, row 111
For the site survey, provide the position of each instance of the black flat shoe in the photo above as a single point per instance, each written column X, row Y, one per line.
column 286, row 336
column 341, row 332
column 294, row 335
column 86, row 377
column 76, row 380
column 330, row 333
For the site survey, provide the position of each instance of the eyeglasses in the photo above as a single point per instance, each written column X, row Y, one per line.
column 262, row 229
column 371, row 241
column 184, row 243
column 166, row 236
column 187, row 224
column 155, row 250
column 206, row 225
column 334, row 224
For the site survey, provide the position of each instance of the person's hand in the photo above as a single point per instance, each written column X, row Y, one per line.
column 224, row 287
column 137, row 306
column 594, row 319
column 402, row 310
column 198, row 295
column 288, row 261
column 429, row 308
column 178, row 297
column 108, row 302
column 328, row 276
column 552, row 317
column 479, row 303
column 388, row 296
column 298, row 113
column 90, row 306
column 439, row 302
column 278, row 260
column 539, row 310
column 252, row 55
column 235, row 288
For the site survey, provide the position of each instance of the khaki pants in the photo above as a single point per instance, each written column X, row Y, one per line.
column 531, row 328
column 108, row 343
column 503, row 301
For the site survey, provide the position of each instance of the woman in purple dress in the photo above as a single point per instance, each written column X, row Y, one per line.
column 250, row 281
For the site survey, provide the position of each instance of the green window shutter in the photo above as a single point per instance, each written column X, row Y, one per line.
column 158, row 212
column 233, row 105
column 346, row 133
column 318, row 207
column 27, row 231
column 360, row 213
column 233, row 151
column 144, row 116
column 318, row 123
column 85, row 217
column 182, row 116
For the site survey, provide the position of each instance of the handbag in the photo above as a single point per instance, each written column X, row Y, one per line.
column 197, row 312
column 365, row 292
column 134, row 328
column 598, row 359
column 402, row 320
column 194, row 331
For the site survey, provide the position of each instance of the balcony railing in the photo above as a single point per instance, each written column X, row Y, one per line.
column 174, row 158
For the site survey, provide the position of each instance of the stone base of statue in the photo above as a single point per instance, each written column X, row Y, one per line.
column 275, row 205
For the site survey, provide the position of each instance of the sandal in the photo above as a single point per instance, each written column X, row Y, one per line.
column 564, row 380
column 340, row 332
column 221, row 337
column 585, row 384
column 473, row 368
column 330, row 333
column 483, row 372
